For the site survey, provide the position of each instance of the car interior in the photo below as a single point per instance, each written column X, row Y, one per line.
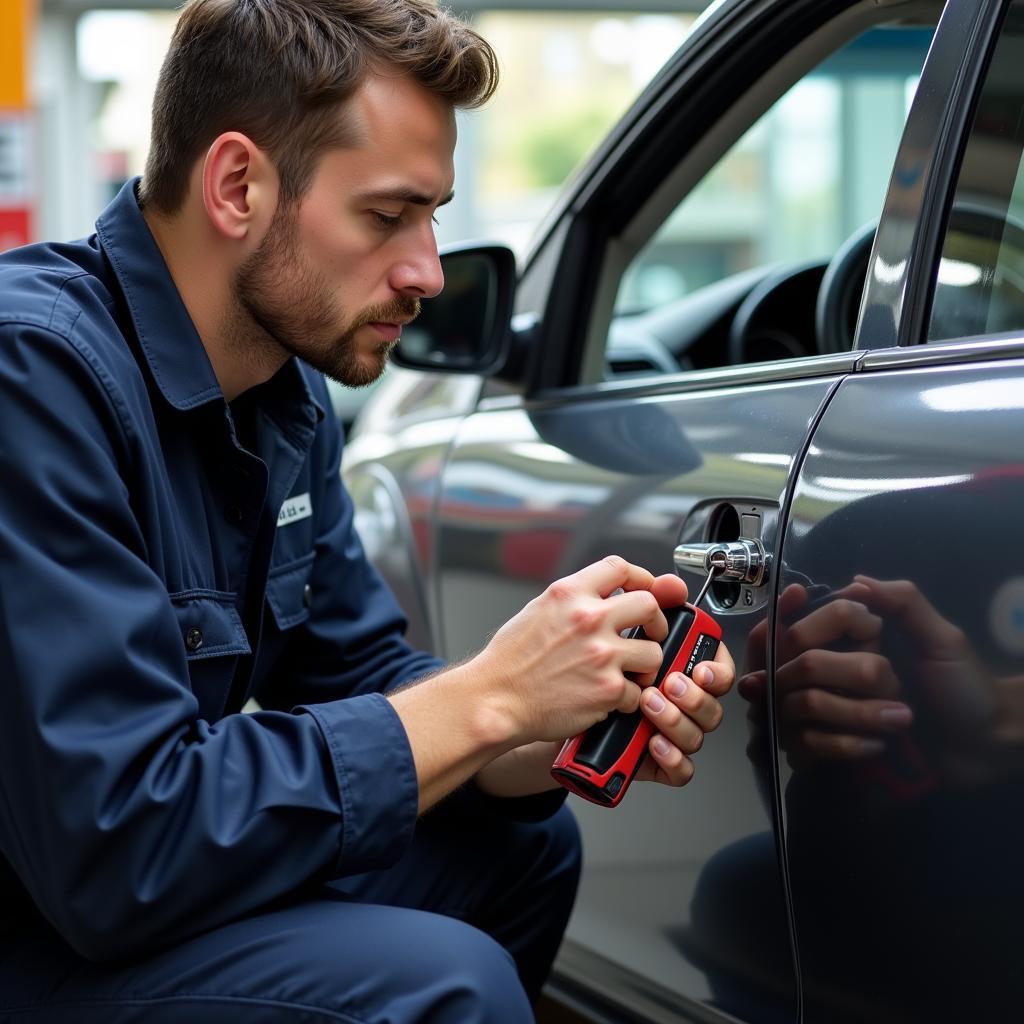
column 748, row 252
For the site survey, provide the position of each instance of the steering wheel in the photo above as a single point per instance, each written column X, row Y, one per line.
column 835, row 314
column 841, row 287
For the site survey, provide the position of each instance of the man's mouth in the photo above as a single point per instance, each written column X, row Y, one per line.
column 390, row 331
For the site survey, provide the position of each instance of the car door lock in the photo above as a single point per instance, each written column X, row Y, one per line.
column 736, row 561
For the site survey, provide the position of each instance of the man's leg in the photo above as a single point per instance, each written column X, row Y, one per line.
column 515, row 880
column 315, row 961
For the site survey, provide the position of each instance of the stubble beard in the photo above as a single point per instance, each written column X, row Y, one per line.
column 283, row 307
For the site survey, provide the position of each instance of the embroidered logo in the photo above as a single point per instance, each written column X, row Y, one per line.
column 294, row 509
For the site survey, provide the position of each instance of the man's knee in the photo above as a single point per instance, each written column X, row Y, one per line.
column 474, row 979
column 378, row 963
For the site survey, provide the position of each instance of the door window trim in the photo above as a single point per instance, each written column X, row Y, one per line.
column 911, row 228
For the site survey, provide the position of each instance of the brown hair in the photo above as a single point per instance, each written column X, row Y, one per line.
column 277, row 71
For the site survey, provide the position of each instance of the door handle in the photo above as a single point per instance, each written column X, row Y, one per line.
column 735, row 561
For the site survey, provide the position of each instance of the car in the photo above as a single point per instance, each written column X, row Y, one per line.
column 779, row 312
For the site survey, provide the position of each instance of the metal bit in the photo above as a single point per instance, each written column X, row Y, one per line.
column 718, row 564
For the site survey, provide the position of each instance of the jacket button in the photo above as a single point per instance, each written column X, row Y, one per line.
column 307, row 596
column 233, row 514
column 194, row 638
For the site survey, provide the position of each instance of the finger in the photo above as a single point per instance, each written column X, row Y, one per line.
column 630, row 699
column 858, row 672
column 929, row 629
column 610, row 574
column 756, row 655
column 670, row 590
column 694, row 702
column 791, row 600
column 716, row 677
column 753, row 686
column 829, row 746
column 834, row 711
column 641, row 657
column 833, row 621
column 674, row 768
column 636, row 608
column 679, row 729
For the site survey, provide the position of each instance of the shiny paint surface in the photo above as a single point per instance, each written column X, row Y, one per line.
column 392, row 469
column 534, row 493
column 905, row 865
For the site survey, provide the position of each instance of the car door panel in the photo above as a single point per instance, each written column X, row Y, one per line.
column 675, row 880
column 904, row 861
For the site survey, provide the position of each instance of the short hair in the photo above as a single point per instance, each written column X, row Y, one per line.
column 279, row 70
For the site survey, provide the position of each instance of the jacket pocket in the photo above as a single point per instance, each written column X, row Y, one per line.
column 288, row 592
column 213, row 639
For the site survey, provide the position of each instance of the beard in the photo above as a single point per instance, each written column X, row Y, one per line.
column 283, row 306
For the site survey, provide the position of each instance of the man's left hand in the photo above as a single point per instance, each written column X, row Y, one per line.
column 682, row 712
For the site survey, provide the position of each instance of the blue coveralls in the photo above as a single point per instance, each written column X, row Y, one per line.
column 164, row 557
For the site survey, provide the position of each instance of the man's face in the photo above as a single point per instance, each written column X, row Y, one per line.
column 340, row 271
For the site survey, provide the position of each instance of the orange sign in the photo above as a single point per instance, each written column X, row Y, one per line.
column 17, row 19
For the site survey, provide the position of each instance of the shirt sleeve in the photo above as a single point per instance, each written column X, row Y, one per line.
column 131, row 821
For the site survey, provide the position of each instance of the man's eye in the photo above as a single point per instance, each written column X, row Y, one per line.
column 384, row 221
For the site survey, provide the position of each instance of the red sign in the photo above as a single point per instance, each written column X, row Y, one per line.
column 15, row 225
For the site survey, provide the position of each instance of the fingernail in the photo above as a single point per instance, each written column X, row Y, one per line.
column 676, row 686
column 871, row 747
column 897, row 717
column 655, row 701
column 703, row 675
column 660, row 745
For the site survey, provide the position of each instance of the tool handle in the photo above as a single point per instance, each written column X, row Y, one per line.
column 599, row 764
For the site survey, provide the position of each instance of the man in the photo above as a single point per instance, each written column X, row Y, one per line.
column 174, row 539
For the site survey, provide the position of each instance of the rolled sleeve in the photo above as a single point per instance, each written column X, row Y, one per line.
column 376, row 776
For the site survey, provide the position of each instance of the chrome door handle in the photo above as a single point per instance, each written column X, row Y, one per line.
column 736, row 561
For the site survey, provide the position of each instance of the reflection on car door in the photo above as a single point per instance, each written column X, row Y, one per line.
column 905, row 842
column 901, row 714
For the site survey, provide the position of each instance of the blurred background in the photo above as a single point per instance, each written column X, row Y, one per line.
column 77, row 79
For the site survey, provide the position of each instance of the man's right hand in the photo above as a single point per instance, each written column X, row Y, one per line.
column 560, row 665
column 551, row 671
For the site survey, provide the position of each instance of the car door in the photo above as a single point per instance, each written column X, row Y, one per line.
column 676, row 366
column 903, row 838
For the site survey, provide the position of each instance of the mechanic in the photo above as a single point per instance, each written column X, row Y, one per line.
column 175, row 540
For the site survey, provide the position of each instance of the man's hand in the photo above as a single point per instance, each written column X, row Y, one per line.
column 838, row 698
column 561, row 664
column 551, row 671
column 686, row 712
column 682, row 715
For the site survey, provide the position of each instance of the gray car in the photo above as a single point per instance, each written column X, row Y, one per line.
column 824, row 370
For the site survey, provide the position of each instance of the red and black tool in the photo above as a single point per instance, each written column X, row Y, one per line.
column 599, row 764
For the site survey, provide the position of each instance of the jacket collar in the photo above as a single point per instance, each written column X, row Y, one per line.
column 169, row 341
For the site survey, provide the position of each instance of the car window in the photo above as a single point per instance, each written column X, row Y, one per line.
column 732, row 274
column 979, row 282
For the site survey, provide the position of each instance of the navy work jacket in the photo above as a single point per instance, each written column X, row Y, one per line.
column 163, row 557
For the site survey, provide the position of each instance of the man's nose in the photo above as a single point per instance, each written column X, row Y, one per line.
column 419, row 271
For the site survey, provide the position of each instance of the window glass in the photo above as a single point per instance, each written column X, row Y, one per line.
column 566, row 77
column 810, row 173
column 979, row 284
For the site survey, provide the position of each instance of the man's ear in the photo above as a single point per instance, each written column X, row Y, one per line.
column 240, row 187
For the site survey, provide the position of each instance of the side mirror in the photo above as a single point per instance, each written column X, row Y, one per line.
column 465, row 329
